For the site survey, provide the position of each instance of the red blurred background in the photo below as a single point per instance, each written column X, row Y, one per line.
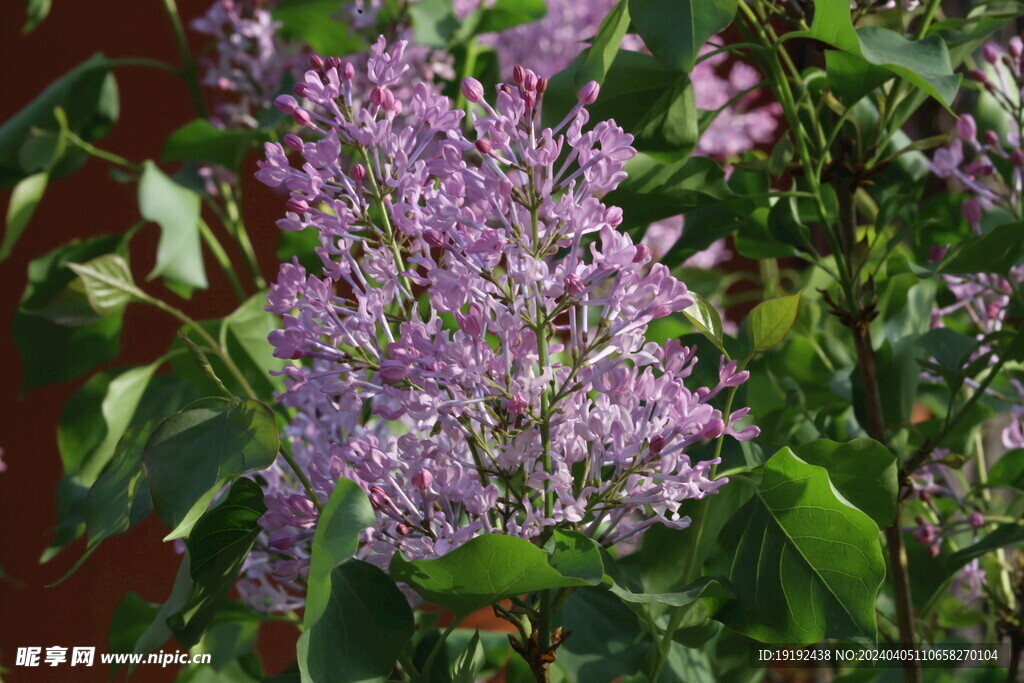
column 90, row 203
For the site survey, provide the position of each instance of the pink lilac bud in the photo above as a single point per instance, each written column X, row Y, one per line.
column 657, row 443
column 991, row 52
column 422, row 479
column 936, row 253
column 472, row 321
column 966, row 128
column 403, row 529
column 316, row 62
column 589, row 93
column 1015, row 47
column 286, row 104
column 991, row 138
column 379, row 499
column 358, row 172
column 302, row 117
column 542, row 86
column 333, row 62
column 574, row 285
column 971, row 210
column 297, row 204
column 472, row 90
column 530, row 82
column 348, row 72
column 505, row 89
column 516, row 405
column 393, row 371
column 293, row 142
column 1017, row 158
column 518, row 74
column 299, row 89
column 530, row 99
column 377, row 96
column 643, row 252
column 980, row 76
column 483, row 145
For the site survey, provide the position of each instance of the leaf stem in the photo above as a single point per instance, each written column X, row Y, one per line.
column 188, row 66
column 222, row 258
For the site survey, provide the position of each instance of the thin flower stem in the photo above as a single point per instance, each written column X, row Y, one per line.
column 236, row 226
column 188, row 65
column 217, row 249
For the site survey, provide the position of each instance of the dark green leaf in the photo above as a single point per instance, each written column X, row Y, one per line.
column 194, row 452
column 675, row 30
column 1004, row 536
column 179, row 256
column 158, row 632
column 50, row 352
column 925, row 63
column 346, row 514
column 132, row 617
column 713, row 585
column 863, row 471
column 1008, row 470
column 607, row 640
column 485, row 570
column 217, row 547
column 805, row 565
column 575, row 555
column 24, row 199
column 365, row 626
column 505, row 14
column 654, row 190
column 201, row 141
column 770, row 321
column 950, row 348
column 244, row 334
column 87, row 93
column 319, row 24
column 996, row 251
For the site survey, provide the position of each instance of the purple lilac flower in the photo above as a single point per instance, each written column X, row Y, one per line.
column 248, row 62
column 969, row 584
column 503, row 364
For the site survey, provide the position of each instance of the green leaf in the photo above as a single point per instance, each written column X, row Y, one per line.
column 505, row 14
column 24, row 199
column 200, row 141
column 470, row 662
column 362, row 631
column 217, row 547
column 925, row 63
column 574, row 555
column 1008, row 470
column 770, row 321
column 52, row 353
column 35, row 13
column 108, row 283
column 608, row 639
column 318, row 23
column 179, row 255
column 87, row 93
column 833, row 25
column 434, row 22
column 132, row 617
column 996, row 251
column 703, row 316
column 485, row 570
column 1005, row 535
column 194, row 452
column 158, row 632
column 654, row 190
column 805, row 564
column 862, row 470
column 675, row 30
column 347, row 513
column 851, row 77
column 716, row 585
column 244, row 334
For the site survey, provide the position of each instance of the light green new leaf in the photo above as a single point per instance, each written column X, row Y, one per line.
column 805, row 564
column 108, row 283
column 1008, row 470
column 201, row 141
column 35, row 13
column 770, row 321
column 317, row 23
column 703, row 316
column 485, row 570
column 179, row 255
column 24, row 199
column 675, row 30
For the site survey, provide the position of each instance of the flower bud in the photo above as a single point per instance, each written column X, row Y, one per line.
column 971, row 210
column 292, row 141
column 393, row 371
column 1017, row 158
column 574, row 285
column 286, row 104
column 991, row 53
column 516, row 405
column 297, row 204
column 348, row 72
column 530, row 99
column 472, row 90
column 542, row 86
column 302, row 117
column 936, row 253
column 472, row 321
column 530, row 82
column 377, row 96
column 642, row 253
column 300, row 89
column 980, row 76
column 403, row 530
column 483, row 145
column 589, row 93
column 316, row 62
column 966, row 128
column 333, row 62
column 991, row 138
column 657, row 443
column 518, row 74
column 422, row 479
column 358, row 172
column 1015, row 47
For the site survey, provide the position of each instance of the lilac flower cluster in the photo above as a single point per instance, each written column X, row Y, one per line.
column 248, row 61
column 990, row 168
column 470, row 362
